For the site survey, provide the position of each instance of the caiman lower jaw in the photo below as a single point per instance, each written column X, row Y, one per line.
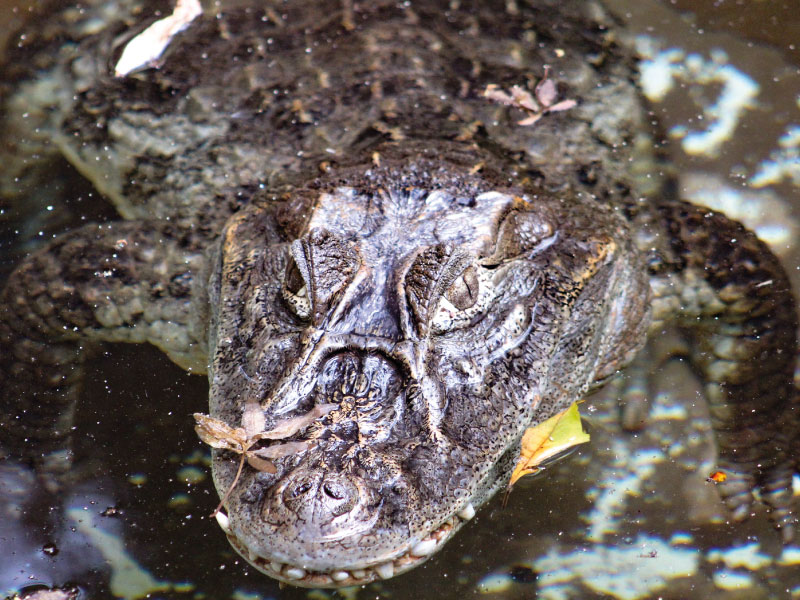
column 299, row 576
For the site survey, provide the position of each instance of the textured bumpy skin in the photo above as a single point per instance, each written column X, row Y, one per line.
column 323, row 208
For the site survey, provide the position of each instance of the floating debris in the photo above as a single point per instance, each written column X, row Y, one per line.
column 538, row 104
column 717, row 477
column 146, row 48
column 547, row 440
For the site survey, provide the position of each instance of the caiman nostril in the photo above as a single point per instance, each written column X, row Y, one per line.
column 332, row 491
column 338, row 495
column 300, row 489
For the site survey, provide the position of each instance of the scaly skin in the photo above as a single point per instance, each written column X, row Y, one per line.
column 732, row 298
column 324, row 209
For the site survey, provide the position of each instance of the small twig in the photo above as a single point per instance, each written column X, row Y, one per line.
column 230, row 488
column 242, row 440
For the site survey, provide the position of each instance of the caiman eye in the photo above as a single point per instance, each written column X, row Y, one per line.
column 470, row 294
column 295, row 290
column 463, row 292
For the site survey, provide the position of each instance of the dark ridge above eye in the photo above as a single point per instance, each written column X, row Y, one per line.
column 520, row 232
column 463, row 293
column 293, row 279
column 422, row 277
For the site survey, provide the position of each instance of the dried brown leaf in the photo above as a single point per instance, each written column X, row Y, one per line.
column 546, row 92
column 147, row 47
column 563, row 105
column 495, row 94
column 253, row 420
column 219, row 434
column 524, row 100
column 261, row 464
column 530, row 120
column 538, row 104
column 281, row 450
column 288, row 427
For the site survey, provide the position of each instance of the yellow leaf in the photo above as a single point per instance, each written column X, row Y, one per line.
column 548, row 439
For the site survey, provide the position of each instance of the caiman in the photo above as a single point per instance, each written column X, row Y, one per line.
column 442, row 221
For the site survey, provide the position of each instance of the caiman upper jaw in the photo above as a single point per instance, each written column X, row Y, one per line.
column 402, row 561
column 341, row 499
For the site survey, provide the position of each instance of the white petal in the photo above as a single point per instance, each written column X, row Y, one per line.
column 151, row 43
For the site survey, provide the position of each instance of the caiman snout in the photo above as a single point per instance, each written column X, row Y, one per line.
column 358, row 374
column 368, row 390
column 332, row 493
column 324, row 506
column 329, row 495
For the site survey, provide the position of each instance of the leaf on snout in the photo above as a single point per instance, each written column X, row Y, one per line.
column 281, row 450
column 219, row 434
column 288, row 427
column 548, row 439
column 261, row 464
column 259, row 459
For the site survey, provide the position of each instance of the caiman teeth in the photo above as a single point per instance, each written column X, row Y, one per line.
column 467, row 512
column 295, row 573
column 385, row 571
column 303, row 577
column 223, row 521
column 424, row 548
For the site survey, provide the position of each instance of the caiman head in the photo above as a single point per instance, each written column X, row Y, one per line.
column 441, row 311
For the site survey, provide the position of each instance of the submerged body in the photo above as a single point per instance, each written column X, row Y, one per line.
column 327, row 210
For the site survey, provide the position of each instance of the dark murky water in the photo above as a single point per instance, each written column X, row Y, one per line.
column 629, row 516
